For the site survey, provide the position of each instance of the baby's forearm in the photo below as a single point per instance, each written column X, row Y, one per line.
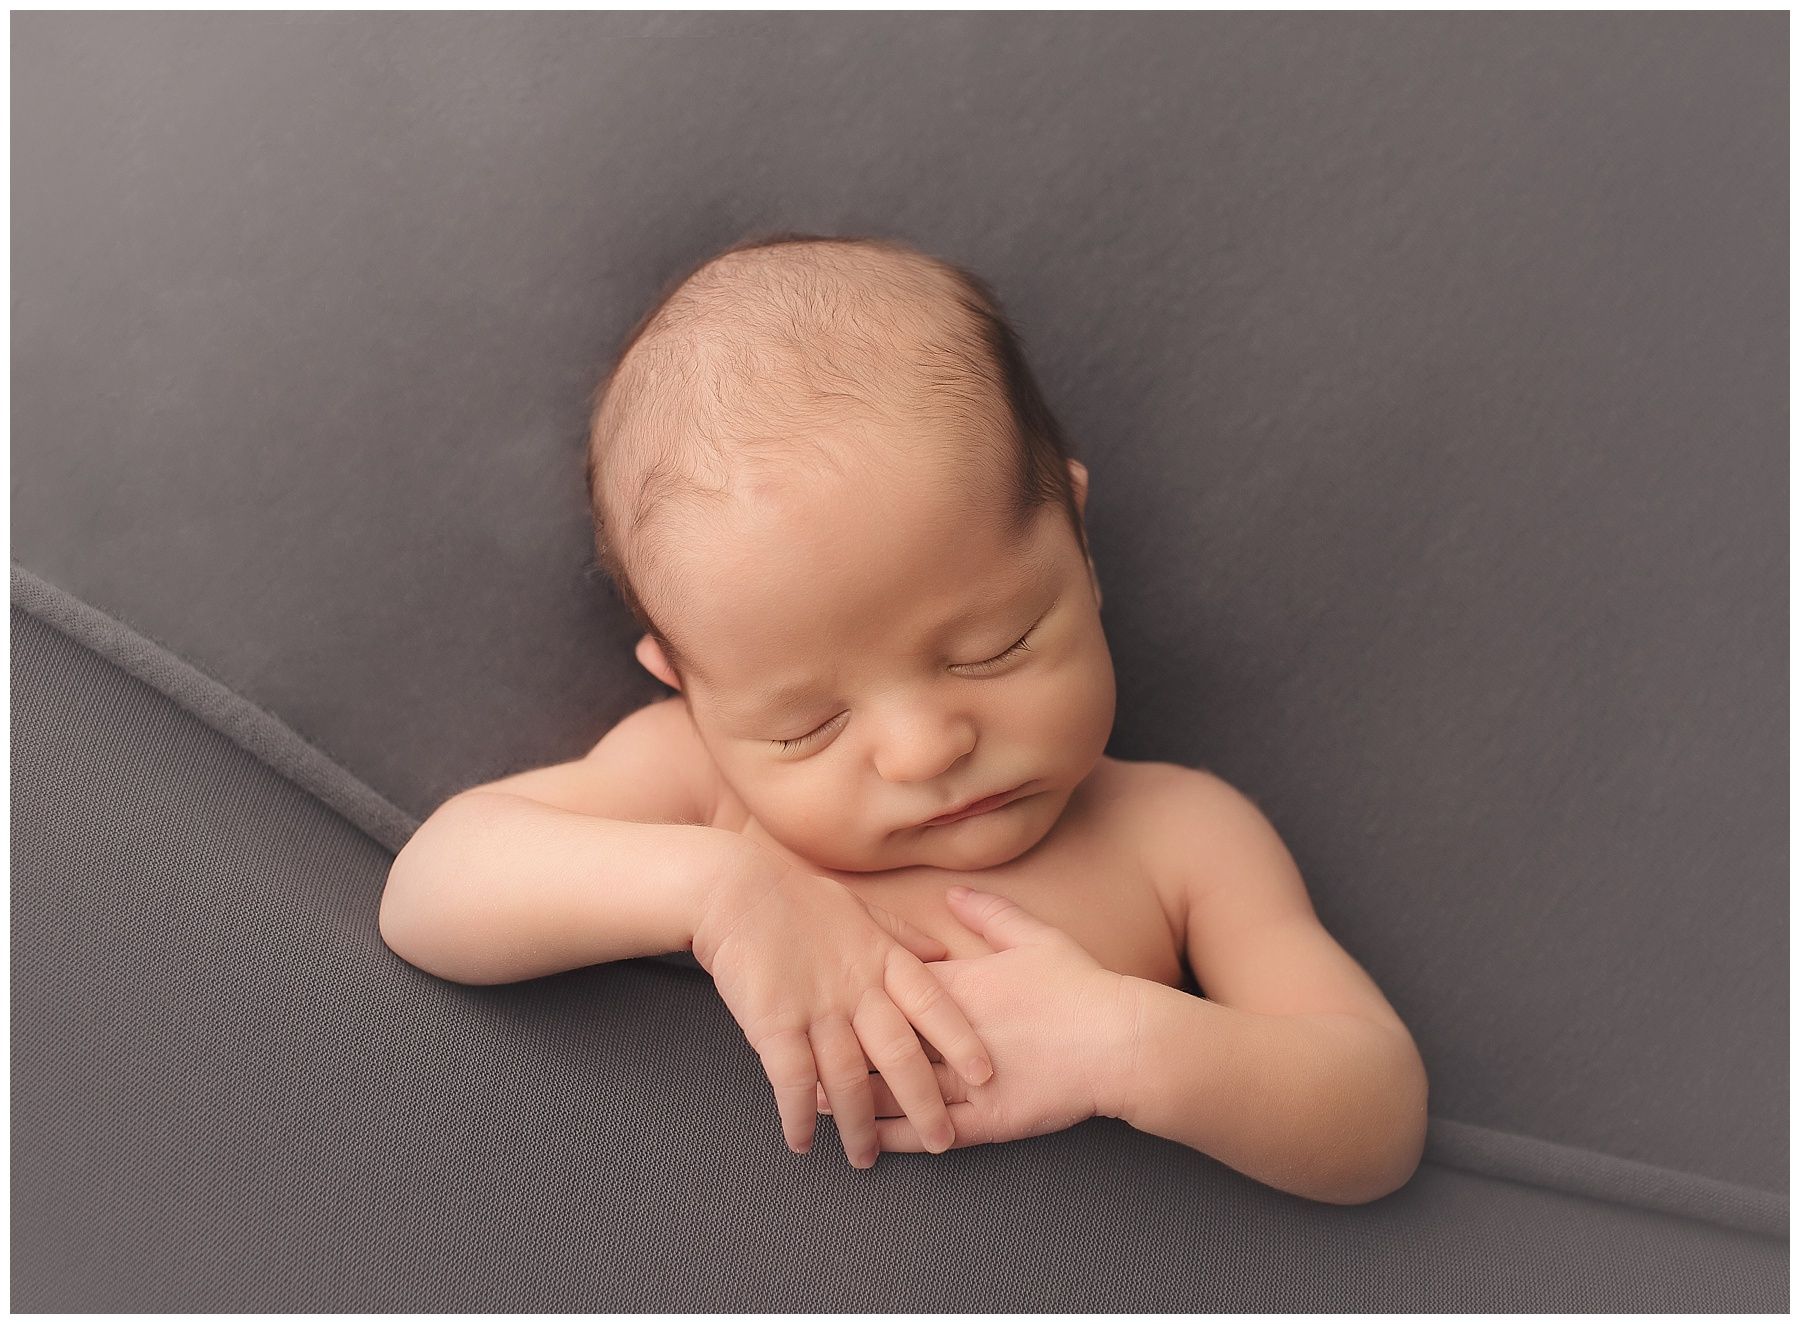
column 1330, row 1108
column 495, row 887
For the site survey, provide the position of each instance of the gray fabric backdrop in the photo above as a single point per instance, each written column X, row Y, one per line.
column 228, row 1095
column 1430, row 369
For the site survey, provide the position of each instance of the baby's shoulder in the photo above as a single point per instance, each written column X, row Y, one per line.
column 1147, row 791
column 1162, row 809
column 1157, row 783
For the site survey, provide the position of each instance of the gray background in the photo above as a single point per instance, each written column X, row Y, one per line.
column 1430, row 369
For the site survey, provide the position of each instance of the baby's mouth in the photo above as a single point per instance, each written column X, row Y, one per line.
column 979, row 807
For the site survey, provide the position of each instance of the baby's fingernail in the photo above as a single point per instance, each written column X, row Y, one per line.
column 938, row 1141
column 980, row 1070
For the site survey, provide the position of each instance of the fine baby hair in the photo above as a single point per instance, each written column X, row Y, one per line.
column 746, row 357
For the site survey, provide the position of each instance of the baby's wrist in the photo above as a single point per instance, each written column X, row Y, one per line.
column 1116, row 1052
column 735, row 871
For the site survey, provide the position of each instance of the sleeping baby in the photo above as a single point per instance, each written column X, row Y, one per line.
column 878, row 808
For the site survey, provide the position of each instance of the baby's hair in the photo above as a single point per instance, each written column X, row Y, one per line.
column 745, row 354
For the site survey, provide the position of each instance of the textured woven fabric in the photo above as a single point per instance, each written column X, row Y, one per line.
column 1455, row 1144
column 229, row 1095
column 1427, row 366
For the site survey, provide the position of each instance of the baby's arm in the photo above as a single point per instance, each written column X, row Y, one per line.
column 497, row 887
column 1293, row 1069
column 605, row 858
column 599, row 859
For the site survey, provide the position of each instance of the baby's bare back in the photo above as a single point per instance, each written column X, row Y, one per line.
column 1088, row 877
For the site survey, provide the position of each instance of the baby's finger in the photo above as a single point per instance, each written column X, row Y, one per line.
column 899, row 1136
column 924, row 1002
column 950, row 1085
column 894, row 1049
column 920, row 943
column 787, row 1060
column 845, row 1074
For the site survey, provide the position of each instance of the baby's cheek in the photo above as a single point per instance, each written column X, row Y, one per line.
column 819, row 809
column 1080, row 715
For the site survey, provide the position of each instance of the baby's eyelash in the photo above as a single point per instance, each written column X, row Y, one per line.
column 1021, row 647
column 797, row 741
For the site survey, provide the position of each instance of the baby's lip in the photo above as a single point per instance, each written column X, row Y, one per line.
column 976, row 806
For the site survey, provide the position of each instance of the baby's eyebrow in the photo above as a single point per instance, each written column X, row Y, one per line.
column 782, row 698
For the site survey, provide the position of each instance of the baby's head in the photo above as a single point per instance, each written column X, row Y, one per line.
column 827, row 487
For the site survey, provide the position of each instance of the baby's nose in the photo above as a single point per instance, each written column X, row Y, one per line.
column 923, row 749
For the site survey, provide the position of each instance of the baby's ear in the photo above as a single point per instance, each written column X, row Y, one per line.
column 1078, row 479
column 656, row 662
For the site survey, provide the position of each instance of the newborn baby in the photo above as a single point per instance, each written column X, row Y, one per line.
column 828, row 489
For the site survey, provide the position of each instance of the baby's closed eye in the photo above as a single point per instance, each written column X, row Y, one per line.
column 1020, row 646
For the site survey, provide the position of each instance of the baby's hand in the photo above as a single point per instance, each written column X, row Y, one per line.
column 817, row 978
column 1064, row 1026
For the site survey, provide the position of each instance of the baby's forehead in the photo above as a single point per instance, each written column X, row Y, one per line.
column 846, row 573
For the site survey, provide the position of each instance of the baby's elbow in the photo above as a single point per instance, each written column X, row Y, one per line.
column 412, row 931
column 1389, row 1146
column 1375, row 1181
column 415, row 945
column 1408, row 1123
column 398, row 928
column 1393, row 1177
